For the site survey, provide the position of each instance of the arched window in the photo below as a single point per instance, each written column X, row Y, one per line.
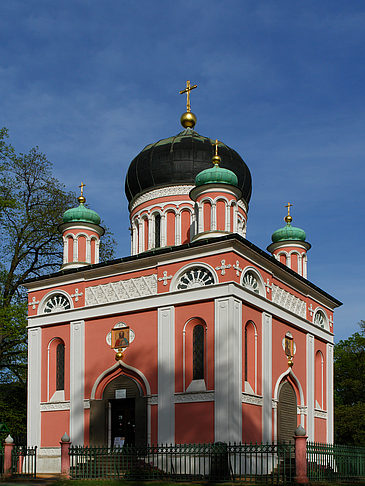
column 319, row 380
column 251, row 280
column 57, row 367
column 320, row 319
column 157, row 230
column 198, row 352
column 194, row 355
column 60, row 367
column 250, row 358
column 283, row 258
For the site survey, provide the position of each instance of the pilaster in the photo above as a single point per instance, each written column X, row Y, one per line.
column 267, row 377
column 166, row 374
column 228, row 370
column 310, row 386
column 77, row 374
column 329, row 387
column 34, row 386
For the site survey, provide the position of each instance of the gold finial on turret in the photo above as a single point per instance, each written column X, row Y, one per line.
column 81, row 198
column 288, row 218
column 188, row 119
column 216, row 158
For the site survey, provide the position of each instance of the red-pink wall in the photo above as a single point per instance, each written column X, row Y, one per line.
column 221, row 215
column 251, row 423
column 185, row 226
column 207, row 211
column 141, row 354
column 49, row 333
column 53, row 426
column 280, row 361
column 320, row 430
column 170, row 220
column 205, row 312
column 194, row 422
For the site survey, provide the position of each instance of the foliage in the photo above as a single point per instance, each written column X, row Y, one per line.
column 14, row 416
column 349, row 361
column 32, row 203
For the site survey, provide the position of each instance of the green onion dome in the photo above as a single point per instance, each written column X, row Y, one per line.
column 81, row 214
column 216, row 175
column 289, row 232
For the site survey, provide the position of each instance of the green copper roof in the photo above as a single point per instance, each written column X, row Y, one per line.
column 289, row 232
column 216, row 175
column 81, row 214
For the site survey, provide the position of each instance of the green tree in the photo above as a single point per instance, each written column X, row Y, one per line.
column 349, row 372
column 32, row 203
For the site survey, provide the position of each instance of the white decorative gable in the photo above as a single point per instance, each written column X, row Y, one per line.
column 121, row 290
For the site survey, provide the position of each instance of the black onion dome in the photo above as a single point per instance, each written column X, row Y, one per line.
column 178, row 160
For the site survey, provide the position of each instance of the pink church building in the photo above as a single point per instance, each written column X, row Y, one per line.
column 227, row 342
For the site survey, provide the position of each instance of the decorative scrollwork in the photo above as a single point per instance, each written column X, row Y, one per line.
column 250, row 282
column 56, row 303
column 195, row 277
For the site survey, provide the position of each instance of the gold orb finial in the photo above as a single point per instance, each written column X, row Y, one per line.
column 119, row 355
column 81, row 198
column 290, row 361
column 216, row 158
column 188, row 119
column 288, row 219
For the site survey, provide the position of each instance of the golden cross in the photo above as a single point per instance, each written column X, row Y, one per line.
column 216, row 146
column 82, row 188
column 187, row 91
column 289, row 206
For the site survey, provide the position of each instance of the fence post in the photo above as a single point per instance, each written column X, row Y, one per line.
column 65, row 457
column 8, row 448
column 300, row 438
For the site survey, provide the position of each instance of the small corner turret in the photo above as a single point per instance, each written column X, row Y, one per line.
column 289, row 246
column 216, row 196
column 81, row 232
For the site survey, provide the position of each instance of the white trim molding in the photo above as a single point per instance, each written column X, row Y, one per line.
column 207, row 396
column 252, row 399
column 322, row 414
column 121, row 290
column 160, row 193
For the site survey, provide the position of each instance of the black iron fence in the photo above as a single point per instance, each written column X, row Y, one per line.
column 326, row 462
column 24, row 461
column 270, row 463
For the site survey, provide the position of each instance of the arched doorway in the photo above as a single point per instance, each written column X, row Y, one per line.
column 287, row 412
column 121, row 415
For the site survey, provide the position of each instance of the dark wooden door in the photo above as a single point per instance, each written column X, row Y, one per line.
column 287, row 413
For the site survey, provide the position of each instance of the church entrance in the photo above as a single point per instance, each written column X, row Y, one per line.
column 120, row 417
column 122, row 422
column 287, row 413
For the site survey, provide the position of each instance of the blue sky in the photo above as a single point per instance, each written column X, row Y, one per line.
column 92, row 82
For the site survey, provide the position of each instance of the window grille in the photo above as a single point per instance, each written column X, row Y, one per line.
column 60, row 367
column 198, row 352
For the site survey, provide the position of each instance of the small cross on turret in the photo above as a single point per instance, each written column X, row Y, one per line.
column 288, row 218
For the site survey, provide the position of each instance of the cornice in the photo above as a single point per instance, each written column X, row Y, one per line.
column 191, row 250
